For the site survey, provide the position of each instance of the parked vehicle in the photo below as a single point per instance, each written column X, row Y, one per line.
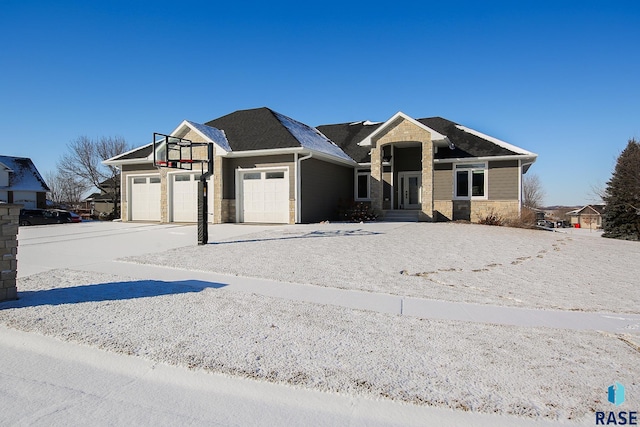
column 45, row 216
column 546, row 223
column 75, row 217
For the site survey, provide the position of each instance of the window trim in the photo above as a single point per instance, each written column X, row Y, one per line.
column 470, row 167
column 359, row 173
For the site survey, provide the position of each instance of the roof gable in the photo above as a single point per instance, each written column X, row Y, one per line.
column 23, row 175
column 435, row 135
column 208, row 133
column 589, row 210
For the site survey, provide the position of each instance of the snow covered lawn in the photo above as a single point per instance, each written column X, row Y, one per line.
column 445, row 261
column 531, row 372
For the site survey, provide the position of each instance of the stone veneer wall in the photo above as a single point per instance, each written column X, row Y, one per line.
column 506, row 209
column 9, row 217
column 403, row 130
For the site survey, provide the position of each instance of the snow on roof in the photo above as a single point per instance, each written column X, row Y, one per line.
column 365, row 123
column 311, row 138
column 496, row 141
column 23, row 175
column 217, row 136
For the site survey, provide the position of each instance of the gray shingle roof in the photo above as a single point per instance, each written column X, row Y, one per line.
column 348, row 135
column 255, row 129
column 265, row 129
column 466, row 144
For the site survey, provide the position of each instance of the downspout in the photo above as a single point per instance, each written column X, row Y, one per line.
column 298, row 185
column 520, row 188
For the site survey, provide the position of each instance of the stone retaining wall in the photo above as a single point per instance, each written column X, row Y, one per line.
column 9, row 217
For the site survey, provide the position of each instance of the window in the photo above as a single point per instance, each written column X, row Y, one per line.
column 183, row 178
column 139, row 180
column 274, row 175
column 363, row 178
column 253, row 175
column 470, row 181
column 154, row 180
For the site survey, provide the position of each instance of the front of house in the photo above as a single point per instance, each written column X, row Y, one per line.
column 270, row 168
column 21, row 183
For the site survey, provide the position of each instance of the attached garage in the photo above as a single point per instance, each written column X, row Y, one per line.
column 263, row 196
column 28, row 199
column 144, row 198
column 183, row 197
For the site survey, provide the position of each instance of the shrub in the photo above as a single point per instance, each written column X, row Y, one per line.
column 492, row 218
column 356, row 212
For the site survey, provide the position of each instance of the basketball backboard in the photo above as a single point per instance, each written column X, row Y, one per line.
column 172, row 152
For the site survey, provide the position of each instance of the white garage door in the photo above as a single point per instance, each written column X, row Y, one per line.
column 184, row 197
column 265, row 196
column 144, row 198
column 25, row 198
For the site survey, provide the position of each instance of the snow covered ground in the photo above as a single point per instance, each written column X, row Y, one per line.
column 533, row 373
column 445, row 261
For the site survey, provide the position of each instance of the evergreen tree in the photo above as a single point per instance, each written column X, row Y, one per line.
column 622, row 196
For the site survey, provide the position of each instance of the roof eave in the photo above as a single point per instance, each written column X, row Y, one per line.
column 138, row 161
column 290, row 150
column 532, row 157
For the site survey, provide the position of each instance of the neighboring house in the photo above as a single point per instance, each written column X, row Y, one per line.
column 21, row 183
column 269, row 168
column 101, row 204
column 589, row 216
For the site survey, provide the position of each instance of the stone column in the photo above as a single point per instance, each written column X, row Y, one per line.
column 9, row 217
column 376, row 189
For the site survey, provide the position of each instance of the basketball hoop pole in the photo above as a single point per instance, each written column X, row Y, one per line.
column 203, row 199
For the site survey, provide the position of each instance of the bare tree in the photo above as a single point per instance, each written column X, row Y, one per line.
column 65, row 189
column 83, row 161
column 532, row 191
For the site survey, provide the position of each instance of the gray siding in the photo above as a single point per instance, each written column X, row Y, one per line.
column 443, row 181
column 144, row 167
column 229, row 167
column 323, row 185
column 503, row 180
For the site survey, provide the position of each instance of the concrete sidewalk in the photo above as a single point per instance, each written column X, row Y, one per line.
column 385, row 303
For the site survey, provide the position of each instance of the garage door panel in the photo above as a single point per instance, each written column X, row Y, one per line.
column 265, row 197
column 145, row 198
column 184, row 198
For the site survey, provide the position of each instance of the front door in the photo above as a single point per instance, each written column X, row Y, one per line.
column 410, row 189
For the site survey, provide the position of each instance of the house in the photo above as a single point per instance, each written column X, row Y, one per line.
column 589, row 216
column 99, row 205
column 270, row 168
column 21, row 183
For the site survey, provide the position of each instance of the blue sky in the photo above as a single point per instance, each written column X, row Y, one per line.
column 559, row 78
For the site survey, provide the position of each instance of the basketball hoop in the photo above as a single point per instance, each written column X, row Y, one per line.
column 177, row 153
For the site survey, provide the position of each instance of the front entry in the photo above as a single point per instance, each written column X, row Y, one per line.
column 410, row 190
